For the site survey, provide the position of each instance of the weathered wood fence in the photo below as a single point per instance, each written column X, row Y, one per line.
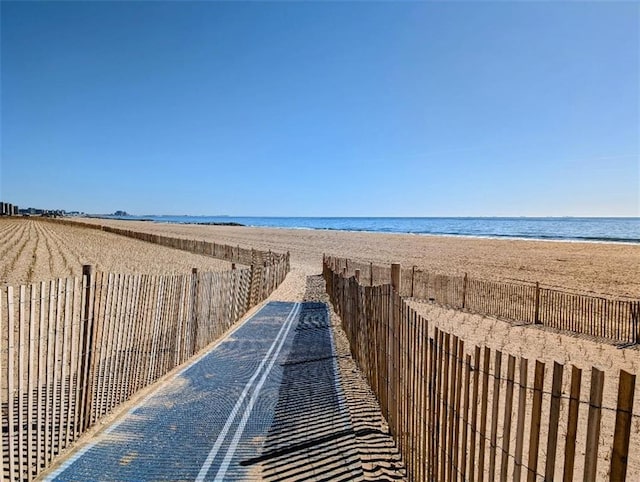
column 606, row 317
column 456, row 413
column 71, row 350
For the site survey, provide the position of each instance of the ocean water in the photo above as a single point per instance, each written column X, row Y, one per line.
column 622, row 230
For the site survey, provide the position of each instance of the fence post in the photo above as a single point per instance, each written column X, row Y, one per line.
column 358, row 276
column 593, row 425
column 371, row 273
column 87, row 351
column 194, row 310
column 396, row 280
column 635, row 314
column 464, row 291
column 536, row 317
column 620, row 453
column 265, row 280
column 252, row 283
column 413, row 279
column 572, row 423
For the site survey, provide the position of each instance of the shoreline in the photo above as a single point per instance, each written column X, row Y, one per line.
column 605, row 268
column 590, row 240
column 443, row 235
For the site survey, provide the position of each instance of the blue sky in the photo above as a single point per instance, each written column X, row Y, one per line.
column 322, row 109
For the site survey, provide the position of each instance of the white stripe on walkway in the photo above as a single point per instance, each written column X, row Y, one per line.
column 223, row 433
column 247, row 412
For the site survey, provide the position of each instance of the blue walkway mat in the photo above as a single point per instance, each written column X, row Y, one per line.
column 236, row 412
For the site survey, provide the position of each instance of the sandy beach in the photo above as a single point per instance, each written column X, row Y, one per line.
column 604, row 268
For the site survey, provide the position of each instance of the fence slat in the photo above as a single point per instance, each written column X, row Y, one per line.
column 450, row 450
column 522, row 406
column 11, row 356
column 536, row 412
column 456, row 430
column 465, row 417
column 32, row 368
column 506, row 425
column 593, row 425
column 474, row 413
column 22, row 343
column 431, row 397
column 483, row 411
column 41, row 374
column 572, row 424
column 620, row 452
column 554, row 417
column 48, row 451
column 494, row 415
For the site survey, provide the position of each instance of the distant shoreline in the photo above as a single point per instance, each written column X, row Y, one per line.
column 603, row 267
column 567, row 229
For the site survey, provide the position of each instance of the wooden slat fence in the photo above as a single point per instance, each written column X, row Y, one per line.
column 600, row 316
column 71, row 350
column 471, row 413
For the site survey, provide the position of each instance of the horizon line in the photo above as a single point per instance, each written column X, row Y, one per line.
column 561, row 216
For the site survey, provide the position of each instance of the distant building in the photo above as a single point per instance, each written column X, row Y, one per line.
column 32, row 211
column 8, row 209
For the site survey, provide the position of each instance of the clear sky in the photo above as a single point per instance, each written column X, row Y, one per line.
column 322, row 109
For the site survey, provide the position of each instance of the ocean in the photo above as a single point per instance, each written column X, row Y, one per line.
column 620, row 230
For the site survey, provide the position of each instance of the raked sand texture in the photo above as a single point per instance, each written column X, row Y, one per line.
column 32, row 250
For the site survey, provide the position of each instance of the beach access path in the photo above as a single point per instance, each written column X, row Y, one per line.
column 266, row 402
